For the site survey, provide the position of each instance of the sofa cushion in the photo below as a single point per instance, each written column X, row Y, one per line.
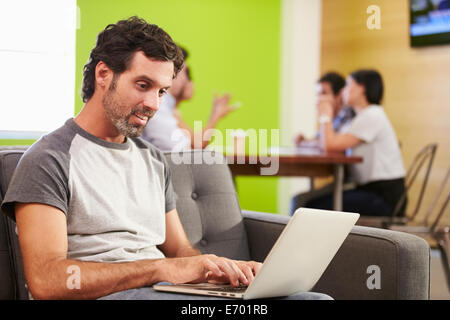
column 402, row 261
column 208, row 205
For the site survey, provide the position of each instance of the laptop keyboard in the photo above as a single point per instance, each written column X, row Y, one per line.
column 240, row 289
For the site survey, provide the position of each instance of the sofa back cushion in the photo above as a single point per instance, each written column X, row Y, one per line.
column 12, row 278
column 207, row 204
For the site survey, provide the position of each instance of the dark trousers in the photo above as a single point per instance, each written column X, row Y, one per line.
column 377, row 198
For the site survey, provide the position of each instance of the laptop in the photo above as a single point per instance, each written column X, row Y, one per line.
column 295, row 263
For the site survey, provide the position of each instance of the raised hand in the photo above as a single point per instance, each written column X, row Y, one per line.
column 221, row 107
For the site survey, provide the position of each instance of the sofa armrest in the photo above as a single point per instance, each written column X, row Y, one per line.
column 372, row 263
column 263, row 229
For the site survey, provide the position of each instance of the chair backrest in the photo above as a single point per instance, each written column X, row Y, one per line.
column 435, row 201
column 208, row 205
column 442, row 237
column 425, row 156
column 12, row 278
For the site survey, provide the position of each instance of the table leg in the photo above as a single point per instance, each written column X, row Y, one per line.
column 311, row 183
column 338, row 186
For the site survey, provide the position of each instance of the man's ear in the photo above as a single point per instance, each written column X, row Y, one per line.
column 103, row 75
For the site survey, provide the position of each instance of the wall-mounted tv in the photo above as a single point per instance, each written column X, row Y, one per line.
column 430, row 22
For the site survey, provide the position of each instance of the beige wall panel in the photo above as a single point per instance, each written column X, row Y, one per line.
column 417, row 80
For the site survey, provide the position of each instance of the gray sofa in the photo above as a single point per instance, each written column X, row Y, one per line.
column 214, row 222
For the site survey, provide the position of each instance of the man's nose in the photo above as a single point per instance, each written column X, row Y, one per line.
column 151, row 101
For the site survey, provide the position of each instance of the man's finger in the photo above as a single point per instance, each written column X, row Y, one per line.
column 256, row 266
column 242, row 277
column 213, row 269
column 248, row 271
column 229, row 271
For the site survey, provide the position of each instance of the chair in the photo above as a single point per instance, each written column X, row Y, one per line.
column 436, row 237
column 442, row 237
column 214, row 222
column 424, row 228
column 424, row 157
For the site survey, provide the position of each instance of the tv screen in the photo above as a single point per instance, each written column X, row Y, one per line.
column 430, row 22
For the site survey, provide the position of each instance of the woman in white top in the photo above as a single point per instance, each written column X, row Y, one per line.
column 380, row 177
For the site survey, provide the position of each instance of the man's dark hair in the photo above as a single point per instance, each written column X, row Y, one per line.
column 336, row 81
column 184, row 51
column 188, row 73
column 117, row 44
column 185, row 56
column 372, row 82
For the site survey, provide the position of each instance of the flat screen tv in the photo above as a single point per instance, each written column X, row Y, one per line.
column 429, row 22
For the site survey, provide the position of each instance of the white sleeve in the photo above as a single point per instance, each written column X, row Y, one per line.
column 367, row 124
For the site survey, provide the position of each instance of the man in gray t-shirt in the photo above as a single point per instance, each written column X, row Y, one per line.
column 114, row 212
column 92, row 200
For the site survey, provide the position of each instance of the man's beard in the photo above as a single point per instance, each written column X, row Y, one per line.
column 113, row 107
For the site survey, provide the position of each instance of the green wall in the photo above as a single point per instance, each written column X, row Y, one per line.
column 234, row 47
column 16, row 142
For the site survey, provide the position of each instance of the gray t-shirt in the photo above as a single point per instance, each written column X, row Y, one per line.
column 114, row 196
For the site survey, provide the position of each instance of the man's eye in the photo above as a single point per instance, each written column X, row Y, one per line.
column 162, row 92
column 142, row 86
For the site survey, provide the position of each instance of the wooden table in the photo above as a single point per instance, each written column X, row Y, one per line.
column 298, row 162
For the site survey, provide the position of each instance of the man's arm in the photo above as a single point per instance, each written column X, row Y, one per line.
column 329, row 139
column 43, row 240
column 220, row 108
column 177, row 243
column 42, row 233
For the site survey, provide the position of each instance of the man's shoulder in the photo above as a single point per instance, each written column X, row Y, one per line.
column 152, row 149
column 54, row 145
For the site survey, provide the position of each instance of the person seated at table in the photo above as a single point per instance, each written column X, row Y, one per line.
column 168, row 131
column 380, row 177
column 330, row 83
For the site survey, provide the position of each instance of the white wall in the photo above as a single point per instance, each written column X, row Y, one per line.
column 300, row 69
column 37, row 63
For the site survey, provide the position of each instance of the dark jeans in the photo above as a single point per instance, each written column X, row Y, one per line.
column 377, row 198
column 359, row 201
